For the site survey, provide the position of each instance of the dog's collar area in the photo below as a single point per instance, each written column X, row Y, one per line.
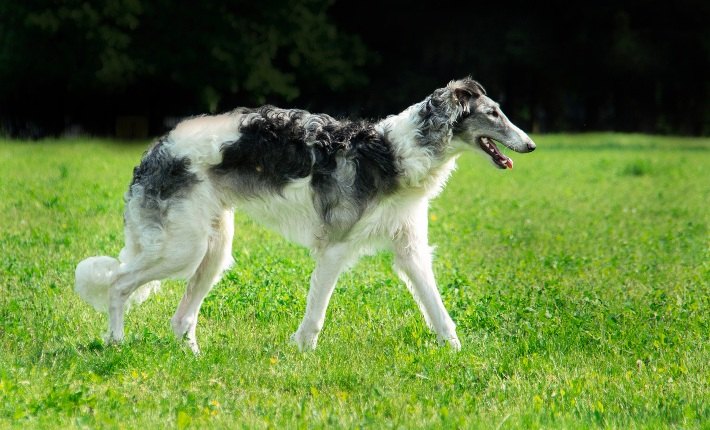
column 489, row 147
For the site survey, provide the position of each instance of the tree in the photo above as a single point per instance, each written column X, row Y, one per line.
column 79, row 60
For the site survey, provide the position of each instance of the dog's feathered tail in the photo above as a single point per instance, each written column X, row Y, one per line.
column 93, row 279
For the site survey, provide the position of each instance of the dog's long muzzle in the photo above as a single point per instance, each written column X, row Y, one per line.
column 531, row 145
column 520, row 142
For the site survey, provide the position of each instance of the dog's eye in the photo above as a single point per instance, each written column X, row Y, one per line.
column 493, row 113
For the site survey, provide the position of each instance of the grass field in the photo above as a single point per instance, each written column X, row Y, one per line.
column 580, row 283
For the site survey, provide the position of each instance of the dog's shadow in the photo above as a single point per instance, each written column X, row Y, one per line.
column 104, row 360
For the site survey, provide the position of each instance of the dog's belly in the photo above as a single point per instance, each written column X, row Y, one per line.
column 290, row 213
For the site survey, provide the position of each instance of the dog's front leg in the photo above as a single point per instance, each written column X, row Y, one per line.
column 330, row 262
column 414, row 264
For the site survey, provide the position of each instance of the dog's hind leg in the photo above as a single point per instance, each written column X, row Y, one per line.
column 128, row 278
column 172, row 248
column 414, row 263
column 217, row 259
column 330, row 262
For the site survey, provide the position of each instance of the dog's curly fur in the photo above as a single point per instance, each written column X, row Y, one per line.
column 342, row 188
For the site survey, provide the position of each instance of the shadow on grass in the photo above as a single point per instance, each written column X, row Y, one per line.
column 107, row 360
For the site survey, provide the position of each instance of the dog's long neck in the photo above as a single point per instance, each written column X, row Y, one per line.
column 422, row 147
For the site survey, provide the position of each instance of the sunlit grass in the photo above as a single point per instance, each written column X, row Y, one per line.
column 579, row 282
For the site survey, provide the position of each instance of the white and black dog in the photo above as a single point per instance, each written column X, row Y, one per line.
column 342, row 188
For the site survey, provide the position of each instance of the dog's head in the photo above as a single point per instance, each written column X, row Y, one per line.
column 480, row 124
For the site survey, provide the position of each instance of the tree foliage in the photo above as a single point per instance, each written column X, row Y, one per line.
column 175, row 57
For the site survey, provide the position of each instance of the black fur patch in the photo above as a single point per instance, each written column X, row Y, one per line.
column 349, row 162
column 367, row 152
column 270, row 153
column 161, row 175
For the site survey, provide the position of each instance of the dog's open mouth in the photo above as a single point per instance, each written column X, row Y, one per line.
column 489, row 147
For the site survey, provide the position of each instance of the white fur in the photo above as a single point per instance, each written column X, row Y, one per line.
column 291, row 213
column 93, row 279
column 404, row 131
column 200, row 138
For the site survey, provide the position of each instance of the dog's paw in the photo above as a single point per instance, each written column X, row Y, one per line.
column 112, row 338
column 305, row 341
column 452, row 342
column 192, row 344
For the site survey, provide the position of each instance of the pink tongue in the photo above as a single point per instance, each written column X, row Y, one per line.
column 508, row 162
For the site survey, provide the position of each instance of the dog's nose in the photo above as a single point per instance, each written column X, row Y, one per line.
column 531, row 146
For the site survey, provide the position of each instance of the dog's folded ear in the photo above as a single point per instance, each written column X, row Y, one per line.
column 463, row 96
column 465, row 90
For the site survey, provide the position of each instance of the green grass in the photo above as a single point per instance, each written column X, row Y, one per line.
column 579, row 282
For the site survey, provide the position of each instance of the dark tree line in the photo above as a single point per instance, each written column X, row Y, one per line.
column 627, row 65
column 619, row 65
column 75, row 62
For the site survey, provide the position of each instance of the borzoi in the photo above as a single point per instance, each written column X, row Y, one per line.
column 341, row 188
